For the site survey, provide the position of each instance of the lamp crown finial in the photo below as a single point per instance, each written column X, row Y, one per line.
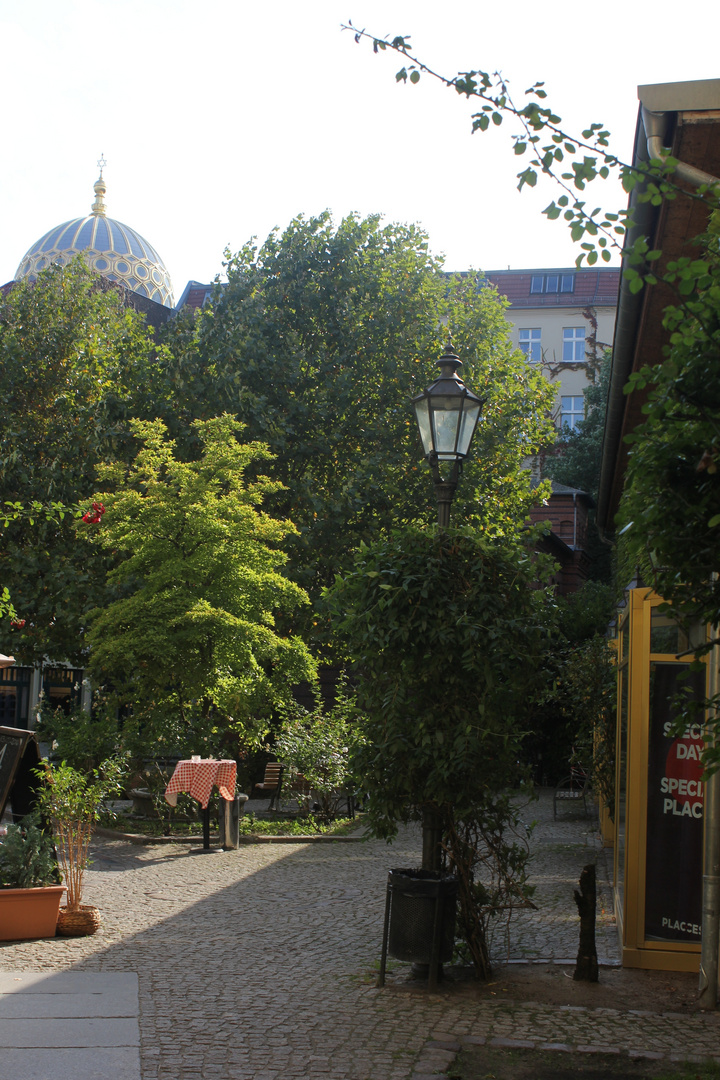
column 449, row 362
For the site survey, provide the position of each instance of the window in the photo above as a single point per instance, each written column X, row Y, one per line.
column 529, row 341
column 573, row 344
column 552, row 283
column 572, row 412
column 62, row 687
column 14, row 696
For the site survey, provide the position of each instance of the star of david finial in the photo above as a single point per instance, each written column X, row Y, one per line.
column 98, row 207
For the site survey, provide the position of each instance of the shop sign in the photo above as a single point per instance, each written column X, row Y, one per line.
column 673, row 874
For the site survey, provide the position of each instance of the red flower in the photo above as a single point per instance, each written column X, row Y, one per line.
column 92, row 517
column 17, row 622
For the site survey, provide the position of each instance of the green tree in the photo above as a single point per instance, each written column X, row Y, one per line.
column 577, row 455
column 575, row 461
column 189, row 640
column 76, row 365
column 446, row 631
column 317, row 343
column 573, row 715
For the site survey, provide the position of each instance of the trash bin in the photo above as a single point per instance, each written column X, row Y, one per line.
column 417, row 899
column 229, row 821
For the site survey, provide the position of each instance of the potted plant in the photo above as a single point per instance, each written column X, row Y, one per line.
column 29, row 893
column 71, row 801
column 445, row 629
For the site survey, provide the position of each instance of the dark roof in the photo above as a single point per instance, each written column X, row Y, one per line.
column 563, row 489
column 194, row 295
column 597, row 287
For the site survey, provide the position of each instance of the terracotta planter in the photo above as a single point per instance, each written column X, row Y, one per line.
column 29, row 913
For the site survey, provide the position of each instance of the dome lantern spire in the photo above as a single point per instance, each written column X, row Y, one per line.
column 113, row 250
column 98, row 207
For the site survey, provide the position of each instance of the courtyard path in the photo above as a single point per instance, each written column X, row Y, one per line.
column 261, row 964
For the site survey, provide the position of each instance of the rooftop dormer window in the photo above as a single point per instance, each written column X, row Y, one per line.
column 552, row 283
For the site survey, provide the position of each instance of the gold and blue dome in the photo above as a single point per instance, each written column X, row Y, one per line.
column 112, row 249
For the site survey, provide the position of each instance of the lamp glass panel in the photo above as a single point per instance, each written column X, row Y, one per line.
column 422, row 414
column 445, row 421
column 468, row 422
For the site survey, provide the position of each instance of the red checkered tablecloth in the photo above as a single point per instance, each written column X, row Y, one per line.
column 198, row 778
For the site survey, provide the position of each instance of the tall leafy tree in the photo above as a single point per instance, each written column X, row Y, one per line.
column 317, row 343
column 76, row 364
column 190, row 640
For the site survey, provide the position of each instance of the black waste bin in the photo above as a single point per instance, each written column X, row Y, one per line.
column 419, row 919
column 415, row 896
column 229, row 821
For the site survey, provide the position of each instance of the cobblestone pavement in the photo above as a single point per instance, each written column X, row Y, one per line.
column 260, row 963
column 560, row 849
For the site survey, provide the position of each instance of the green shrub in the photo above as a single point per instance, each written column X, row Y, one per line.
column 81, row 739
column 447, row 631
column 317, row 746
column 27, row 857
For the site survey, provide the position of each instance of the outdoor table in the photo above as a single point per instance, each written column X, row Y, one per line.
column 197, row 779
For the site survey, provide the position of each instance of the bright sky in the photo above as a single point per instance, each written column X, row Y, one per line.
column 222, row 120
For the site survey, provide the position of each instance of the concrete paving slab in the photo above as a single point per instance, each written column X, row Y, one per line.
column 82, row 1032
column 116, row 1063
column 62, row 1025
column 68, row 982
column 46, row 1006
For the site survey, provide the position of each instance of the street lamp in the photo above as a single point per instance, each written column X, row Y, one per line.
column 447, row 414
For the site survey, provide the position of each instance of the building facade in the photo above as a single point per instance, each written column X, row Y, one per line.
column 563, row 319
column 666, row 821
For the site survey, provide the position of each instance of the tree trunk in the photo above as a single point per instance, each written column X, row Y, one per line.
column 586, row 966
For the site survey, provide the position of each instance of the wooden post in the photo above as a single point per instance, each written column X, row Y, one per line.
column 586, row 965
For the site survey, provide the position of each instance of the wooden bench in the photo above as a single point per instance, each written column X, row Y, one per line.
column 572, row 789
column 272, row 782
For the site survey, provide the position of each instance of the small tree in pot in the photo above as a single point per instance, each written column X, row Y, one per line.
column 71, row 802
column 446, row 632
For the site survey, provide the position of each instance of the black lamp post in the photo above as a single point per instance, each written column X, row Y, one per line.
column 447, row 414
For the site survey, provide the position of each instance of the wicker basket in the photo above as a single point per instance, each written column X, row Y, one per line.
column 80, row 923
